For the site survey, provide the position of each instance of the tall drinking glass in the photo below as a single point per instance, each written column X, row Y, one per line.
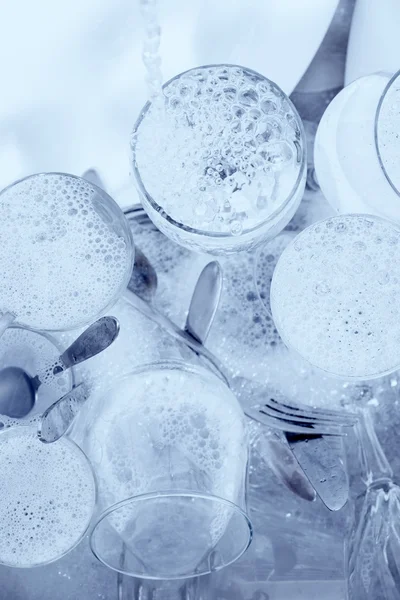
column 220, row 160
column 66, row 252
column 357, row 148
column 169, row 447
column 335, row 296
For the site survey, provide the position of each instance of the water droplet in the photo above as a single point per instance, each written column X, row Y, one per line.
column 236, row 227
column 322, row 289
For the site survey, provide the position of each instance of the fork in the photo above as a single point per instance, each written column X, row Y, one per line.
column 137, row 213
column 275, row 411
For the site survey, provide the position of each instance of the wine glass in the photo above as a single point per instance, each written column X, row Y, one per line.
column 220, row 162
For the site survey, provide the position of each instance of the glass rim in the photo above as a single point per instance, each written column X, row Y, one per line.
column 382, row 98
column 216, row 235
column 95, row 500
column 169, row 494
column 169, row 365
column 290, row 346
column 180, row 335
column 127, row 231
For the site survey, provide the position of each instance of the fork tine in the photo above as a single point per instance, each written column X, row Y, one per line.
column 276, row 413
column 291, row 427
column 314, row 412
column 343, row 420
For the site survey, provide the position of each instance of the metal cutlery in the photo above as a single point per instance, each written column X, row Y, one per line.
column 204, row 302
column 276, row 412
column 313, row 435
column 18, row 390
column 57, row 419
column 137, row 213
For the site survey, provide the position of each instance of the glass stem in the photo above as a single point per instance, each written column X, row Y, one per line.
column 377, row 467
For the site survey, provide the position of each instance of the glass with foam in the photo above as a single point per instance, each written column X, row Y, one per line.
column 47, row 499
column 67, row 253
column 219, row 159
column 168, row 443
column 334, row 296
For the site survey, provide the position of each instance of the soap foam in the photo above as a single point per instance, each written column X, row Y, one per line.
column 47, row 496
column 61, row 262
column 334, row 296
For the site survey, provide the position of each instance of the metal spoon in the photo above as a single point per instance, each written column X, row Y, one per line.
column 57, row 419
column 18, row 390
column 203, row 306
column 143, row 281
column 204, row 302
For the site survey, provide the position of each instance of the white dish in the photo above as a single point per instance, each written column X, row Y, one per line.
column 374, row 42
column 73, row 80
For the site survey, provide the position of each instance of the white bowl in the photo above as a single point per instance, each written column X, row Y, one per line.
column 374, row 42
column 73, row 79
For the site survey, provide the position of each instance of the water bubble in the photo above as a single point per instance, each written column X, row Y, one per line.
column 248, row 97
column 340, row 227
column 269, row 107
column 322, row 289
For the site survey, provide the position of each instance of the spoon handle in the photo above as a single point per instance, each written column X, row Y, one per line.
column 204, row 302
column 93, row 340
column 57, row 419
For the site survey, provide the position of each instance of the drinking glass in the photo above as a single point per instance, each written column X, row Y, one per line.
column 48, row 495
column 67, row 252
column 168, row 443
column 131, row 588
column 357, row 148
column 334, row 296
column 220, row 159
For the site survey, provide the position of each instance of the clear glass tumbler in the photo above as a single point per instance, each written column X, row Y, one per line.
column 220, row 160
column 168, row 444
column 357, row 148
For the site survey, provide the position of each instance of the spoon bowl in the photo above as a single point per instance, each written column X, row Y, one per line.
column 18, row 390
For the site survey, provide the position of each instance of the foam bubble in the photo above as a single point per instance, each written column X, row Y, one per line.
column 243, row 335
column 334, row 295
column 47, row 495
column 62, row 261
column 224, row 154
